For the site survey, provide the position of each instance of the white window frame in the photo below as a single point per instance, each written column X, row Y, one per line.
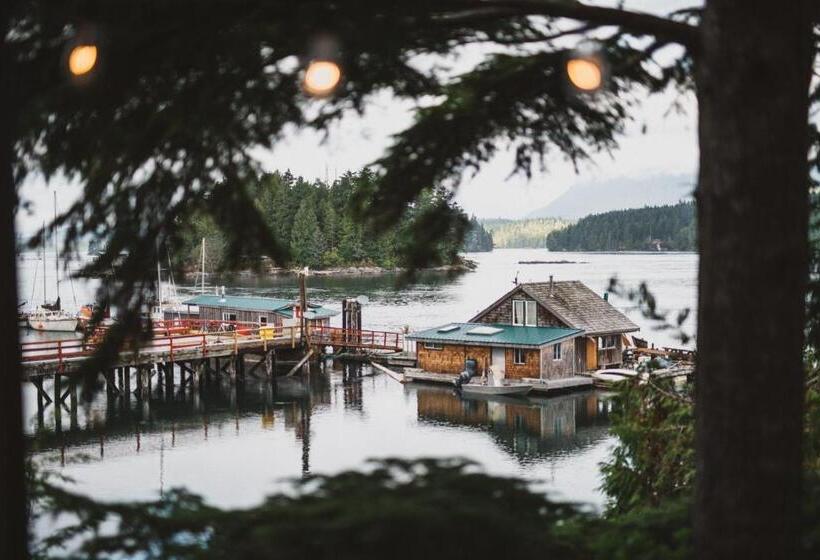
column 227, row 317
column 528, row 313
column 433, row 346
column 556, row 352
column 608, row 342
column 518, row 318
column 263, row 320
column 523, row 354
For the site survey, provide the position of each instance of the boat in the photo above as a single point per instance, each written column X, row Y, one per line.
column 52, row 321
column 608, row 377
column 50, row 317
column 496, row 390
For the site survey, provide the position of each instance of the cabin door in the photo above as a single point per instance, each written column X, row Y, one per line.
column 498, row 365
column 592, row 354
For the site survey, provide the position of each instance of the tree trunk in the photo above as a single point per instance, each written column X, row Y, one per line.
column 752, row 75
column 13, row 531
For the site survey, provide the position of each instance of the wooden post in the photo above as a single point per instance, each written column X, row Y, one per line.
column 58, row 409
column 72, row 404
column 139, row 391
column 303, row 328
column 169, row 379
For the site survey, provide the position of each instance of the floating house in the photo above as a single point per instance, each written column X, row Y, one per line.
column 259, row 310
column 543, row 330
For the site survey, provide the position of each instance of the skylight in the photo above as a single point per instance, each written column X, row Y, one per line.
column 484, row 330
column 448, row 328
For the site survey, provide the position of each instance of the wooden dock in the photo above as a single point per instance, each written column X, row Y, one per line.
column 196, row 348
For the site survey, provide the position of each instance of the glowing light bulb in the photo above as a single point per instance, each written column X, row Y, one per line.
column 585, row 74
column 321, row 78
column 82, row 59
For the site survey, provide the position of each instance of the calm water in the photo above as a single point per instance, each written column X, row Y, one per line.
column 235, row 446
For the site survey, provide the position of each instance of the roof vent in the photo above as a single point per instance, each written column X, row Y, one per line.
column 550, row 285
column 485, row 330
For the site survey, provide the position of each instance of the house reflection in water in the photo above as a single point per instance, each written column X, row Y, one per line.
column 526, row 428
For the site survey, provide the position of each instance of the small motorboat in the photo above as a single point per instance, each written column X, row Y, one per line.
column 607, row 377
column 518, row 390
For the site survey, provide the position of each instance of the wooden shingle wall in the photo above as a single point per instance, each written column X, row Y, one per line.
column 450, row 359
column 528, row 369
column 502, row 312
column 557, row 369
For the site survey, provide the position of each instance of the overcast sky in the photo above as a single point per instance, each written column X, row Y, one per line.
column 669, row 144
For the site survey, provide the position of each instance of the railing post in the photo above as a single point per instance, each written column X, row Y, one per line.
column 60, row 354
column 172, row 349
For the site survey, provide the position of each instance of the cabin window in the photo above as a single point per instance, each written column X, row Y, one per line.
column 607, row 342
column 263, row 320
column 433, row 346
column 556, row 352
column 229, row 317
column 519, row 356
column 524, row 313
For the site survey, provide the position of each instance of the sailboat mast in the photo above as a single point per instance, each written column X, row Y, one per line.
column 159, row 282
column 203, row 265
column 45, row 295
column 54, row 240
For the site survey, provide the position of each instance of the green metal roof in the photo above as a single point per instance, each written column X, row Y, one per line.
column 246, row 303
column 283, row 307
column 505, row 335
column 313, row 312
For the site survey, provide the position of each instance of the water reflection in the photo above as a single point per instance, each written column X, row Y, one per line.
column 183, row 412
column 526, row 428
column 235, row 443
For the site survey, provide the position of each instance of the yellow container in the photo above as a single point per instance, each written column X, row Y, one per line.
column 267, row 333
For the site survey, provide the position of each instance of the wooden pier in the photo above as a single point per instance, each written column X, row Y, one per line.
column 196, row 348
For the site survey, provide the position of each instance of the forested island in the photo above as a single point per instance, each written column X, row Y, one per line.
column 522, row 234
column 314, row 219
column 477, row 239
column 653, row 228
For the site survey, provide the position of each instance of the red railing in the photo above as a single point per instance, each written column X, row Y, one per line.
column 339, row 337
column 171, row 336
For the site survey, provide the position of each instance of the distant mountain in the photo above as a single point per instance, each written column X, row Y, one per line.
column 618, row 194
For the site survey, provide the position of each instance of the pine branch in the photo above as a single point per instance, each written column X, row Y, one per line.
column 634, row 22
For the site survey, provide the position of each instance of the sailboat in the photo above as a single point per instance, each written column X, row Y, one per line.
column 167, row 309
column 50, row 317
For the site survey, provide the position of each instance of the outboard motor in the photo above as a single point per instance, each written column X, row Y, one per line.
column 470, row 367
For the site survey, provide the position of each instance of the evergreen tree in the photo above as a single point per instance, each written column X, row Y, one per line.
column 306, row 237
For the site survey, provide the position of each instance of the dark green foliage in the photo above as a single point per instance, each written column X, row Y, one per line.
column 477, row 239
column 399, row 509
column 166, row 126
column 316, row 220
column 642, row 229
column 654, row 459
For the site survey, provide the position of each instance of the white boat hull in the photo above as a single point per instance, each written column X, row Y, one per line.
column 501, row 390
column 50, row 324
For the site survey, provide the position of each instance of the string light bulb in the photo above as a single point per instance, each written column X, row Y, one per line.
column 82, row 59
column 322, row 77
column 585, row 74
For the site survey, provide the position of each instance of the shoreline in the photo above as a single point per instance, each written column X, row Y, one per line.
column 467, row 265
